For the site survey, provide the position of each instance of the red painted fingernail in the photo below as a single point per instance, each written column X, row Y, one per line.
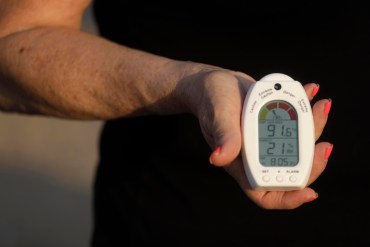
column 312, row 198
column 328, row 151
column 327, row 107
column 315, row 90
column 216, row 152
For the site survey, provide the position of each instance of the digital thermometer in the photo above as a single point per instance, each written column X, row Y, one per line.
column 278, row 134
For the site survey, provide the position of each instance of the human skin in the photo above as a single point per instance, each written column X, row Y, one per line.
column 49, row 67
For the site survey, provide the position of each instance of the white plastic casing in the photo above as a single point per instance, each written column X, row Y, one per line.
column 277, row 178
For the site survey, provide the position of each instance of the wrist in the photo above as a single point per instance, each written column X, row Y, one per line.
column 176, row 86
column 189, row 87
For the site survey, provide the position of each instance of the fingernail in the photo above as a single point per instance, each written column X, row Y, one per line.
column 328, row 151
column 216, row 152
column 312, row 198
column 315, row 90
column 327, row 107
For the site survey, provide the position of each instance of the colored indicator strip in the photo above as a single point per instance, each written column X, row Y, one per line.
column 278, row 106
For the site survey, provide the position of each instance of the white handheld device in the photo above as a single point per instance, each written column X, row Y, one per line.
column 278, row 134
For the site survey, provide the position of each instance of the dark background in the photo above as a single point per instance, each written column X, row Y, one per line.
column 309, row 41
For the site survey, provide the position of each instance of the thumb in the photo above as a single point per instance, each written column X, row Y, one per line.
column 228, row 141
column 224, row 129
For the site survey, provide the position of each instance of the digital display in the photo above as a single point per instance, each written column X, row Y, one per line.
column 278, row 134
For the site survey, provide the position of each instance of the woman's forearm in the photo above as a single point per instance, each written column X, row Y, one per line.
column 71, row 74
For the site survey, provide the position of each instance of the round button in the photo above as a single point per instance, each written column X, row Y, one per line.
column 266, row 178
column 279, row 178
column 293, row 178
column 277, row 86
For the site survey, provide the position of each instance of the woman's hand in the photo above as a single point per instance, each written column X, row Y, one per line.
column 218, row 97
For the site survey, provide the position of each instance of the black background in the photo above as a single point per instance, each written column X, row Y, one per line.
column 155, row 186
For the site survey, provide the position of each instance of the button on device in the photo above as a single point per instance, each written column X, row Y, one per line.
column 293, row 178
column 266, row 178
column 279, row 178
